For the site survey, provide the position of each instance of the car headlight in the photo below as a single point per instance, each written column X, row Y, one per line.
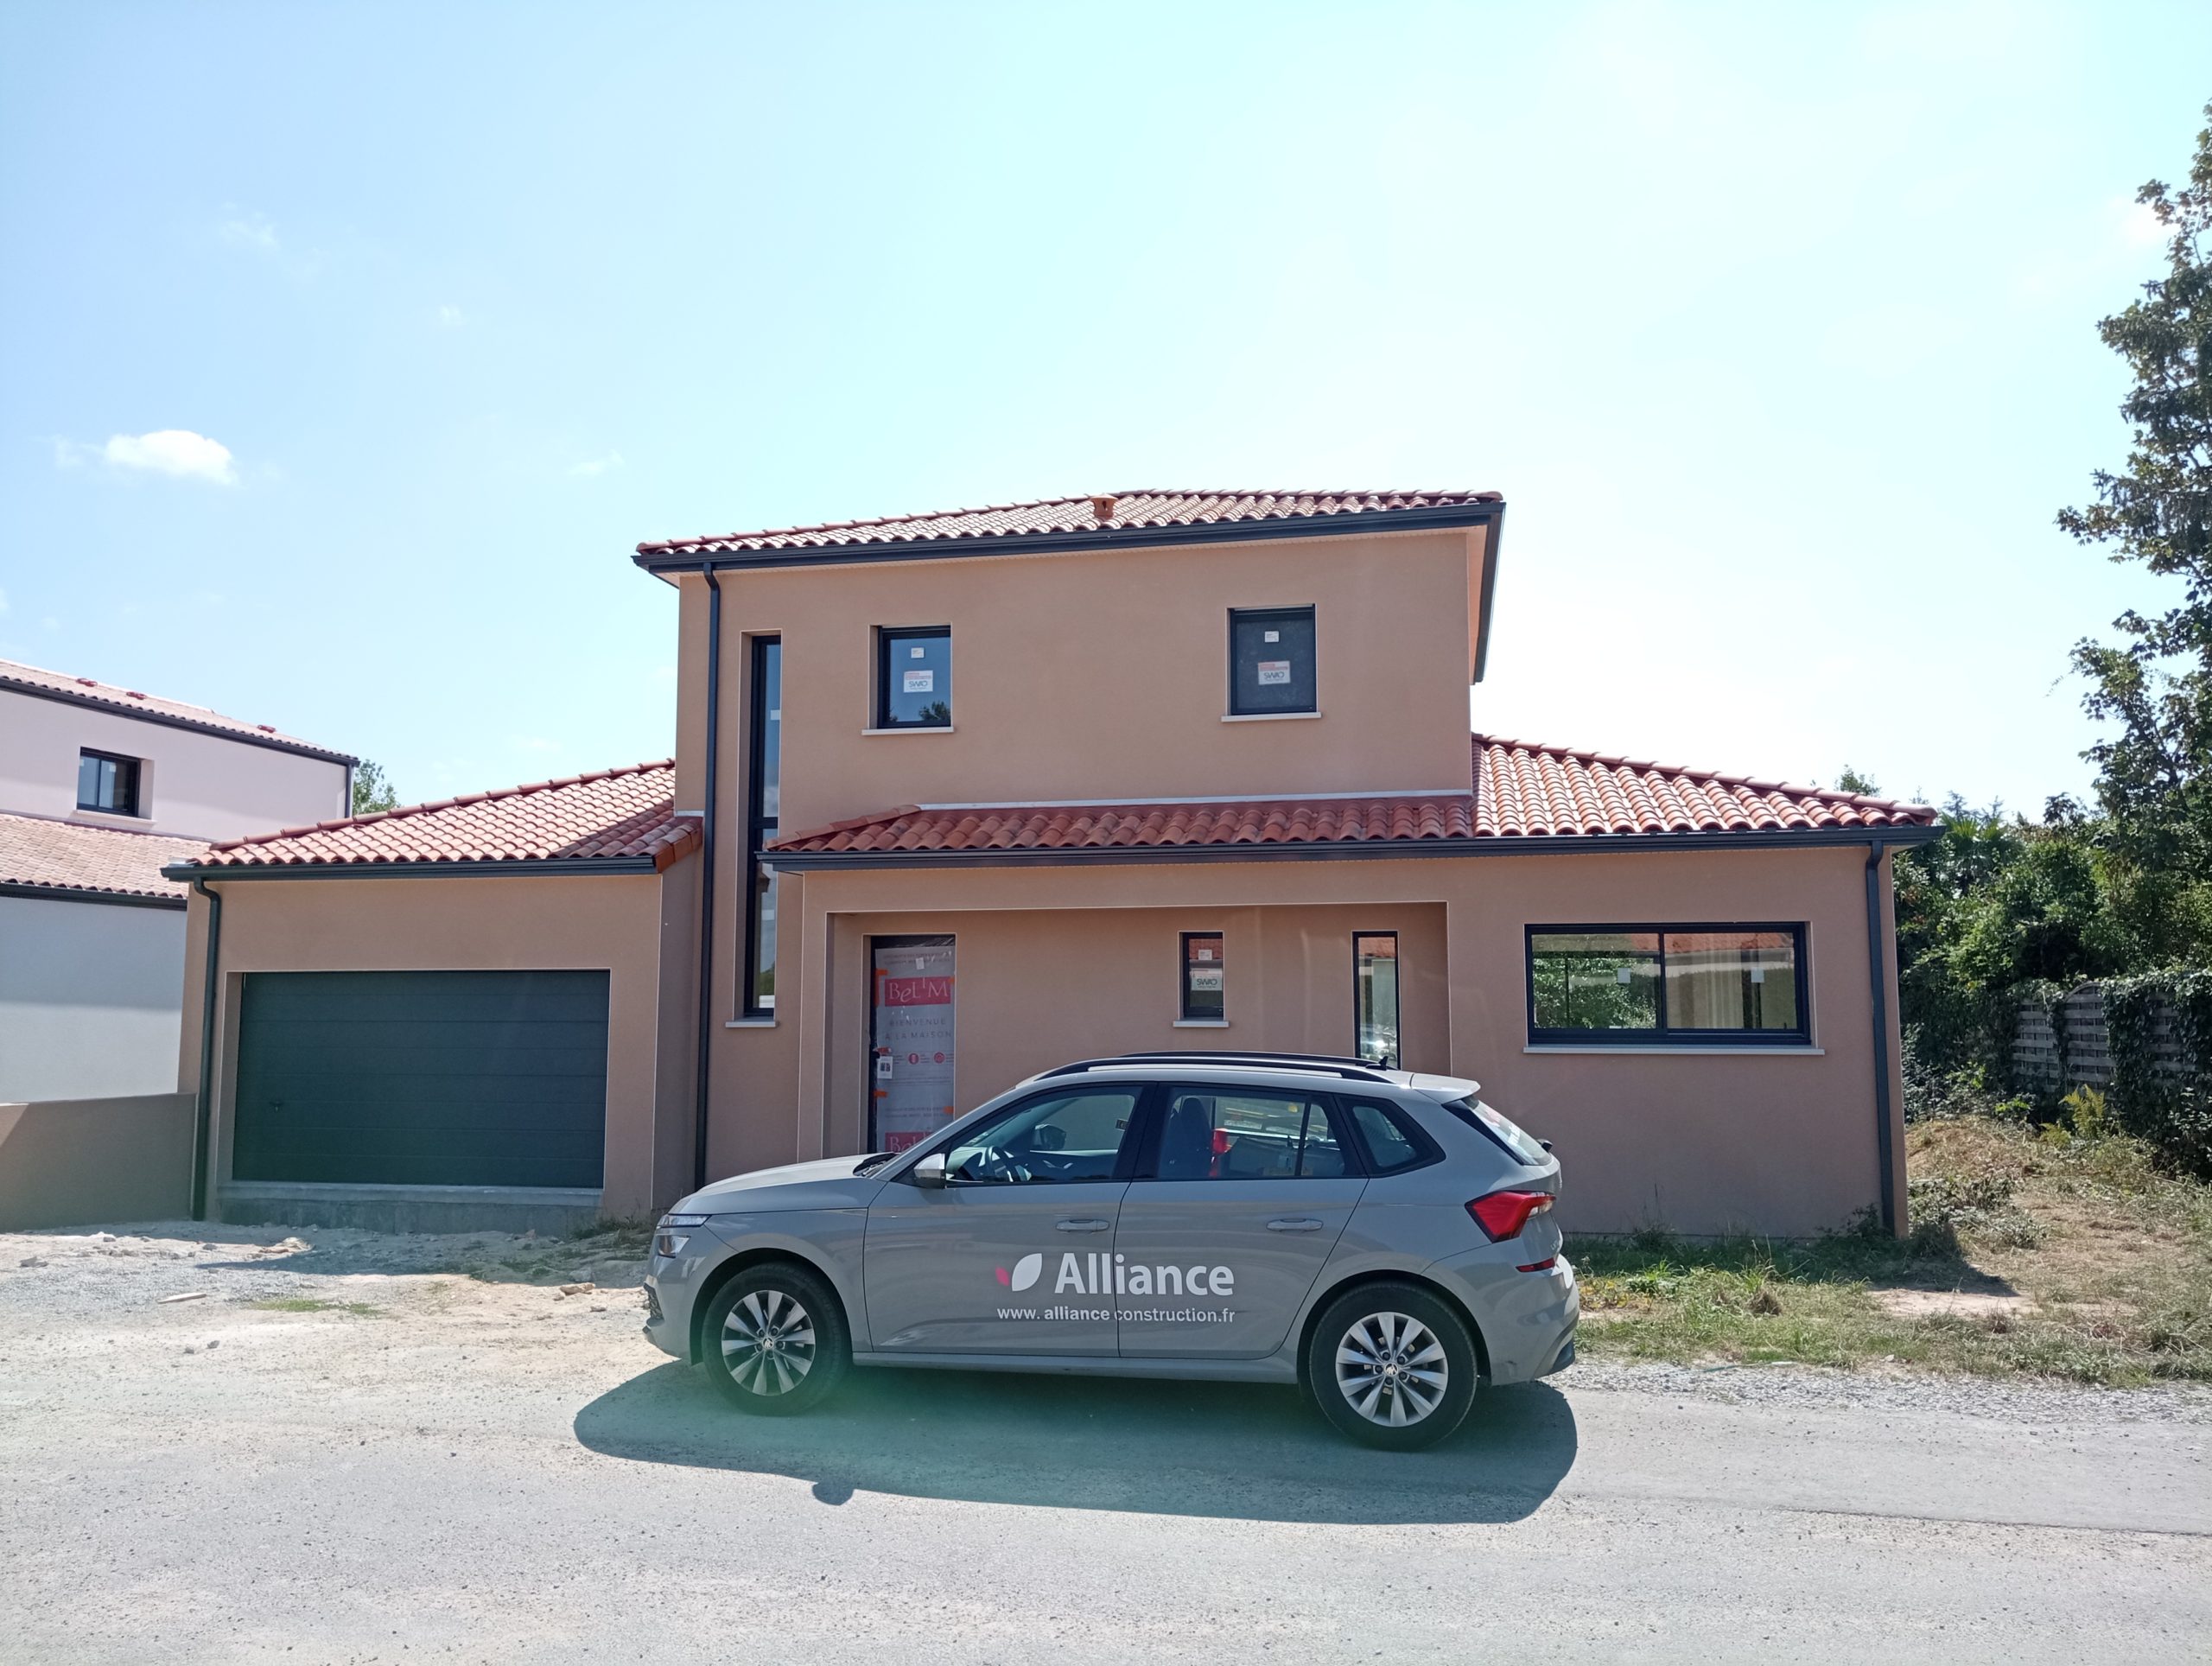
column 670, row 1237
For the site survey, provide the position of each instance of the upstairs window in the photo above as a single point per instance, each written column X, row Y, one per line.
column 107, row 783
column 1696, row 984
column 914, row 678
column 1271, row 661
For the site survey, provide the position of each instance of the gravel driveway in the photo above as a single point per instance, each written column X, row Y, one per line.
column 338, row 1451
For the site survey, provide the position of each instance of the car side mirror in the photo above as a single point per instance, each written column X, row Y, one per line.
column 930, row 1171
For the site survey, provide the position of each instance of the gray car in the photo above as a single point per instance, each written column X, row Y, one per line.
column 1382, row 1238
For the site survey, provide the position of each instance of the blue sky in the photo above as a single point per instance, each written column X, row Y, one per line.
column 1774, row 324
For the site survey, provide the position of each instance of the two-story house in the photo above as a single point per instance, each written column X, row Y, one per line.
column 100, row 788
column 978, row 793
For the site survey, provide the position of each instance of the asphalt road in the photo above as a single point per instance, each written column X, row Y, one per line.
column 488, row 1472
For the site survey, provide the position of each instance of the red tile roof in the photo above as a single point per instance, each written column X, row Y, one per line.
column 52, row 856
column 1524, row 790
column 1520, row 791
column 59, row 684
column 1108, row 512
column 613, row 813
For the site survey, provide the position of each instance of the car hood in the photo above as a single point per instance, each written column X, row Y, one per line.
column 829, row 1184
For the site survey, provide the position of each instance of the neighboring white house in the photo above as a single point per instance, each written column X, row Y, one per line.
column 99, row 786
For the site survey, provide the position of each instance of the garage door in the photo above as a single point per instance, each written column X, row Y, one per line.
column 422, row 1078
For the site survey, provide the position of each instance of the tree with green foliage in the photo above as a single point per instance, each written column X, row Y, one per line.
column 2154, row 776
column 371, row 790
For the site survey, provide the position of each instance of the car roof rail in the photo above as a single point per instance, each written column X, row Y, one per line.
column 1352, row 1069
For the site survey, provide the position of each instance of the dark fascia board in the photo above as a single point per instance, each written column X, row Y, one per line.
column 1439, row 518
column 1496, row 536
column 171, row 720
column 579, row 867
column 79, row 893
column 1572, row 844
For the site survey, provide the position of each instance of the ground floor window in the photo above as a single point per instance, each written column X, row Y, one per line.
column 910, row 1040
column 1375, row 996
column 1204, row 978
column 1627, row 984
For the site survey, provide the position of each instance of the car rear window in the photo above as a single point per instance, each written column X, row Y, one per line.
column 1517, row 1143
column 1392, row 1139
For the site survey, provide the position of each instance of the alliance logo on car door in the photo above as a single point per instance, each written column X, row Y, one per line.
column 1096, row 1275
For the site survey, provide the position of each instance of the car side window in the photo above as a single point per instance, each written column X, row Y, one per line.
column 1387, row 1132
column 1217, row 1134
column 1058, row 1137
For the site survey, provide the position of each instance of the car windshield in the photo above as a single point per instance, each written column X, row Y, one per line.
column 1517, row 1143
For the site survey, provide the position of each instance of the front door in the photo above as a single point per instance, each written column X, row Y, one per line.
column 1241, row 1207
column 1014, row 1253
column 910, row 1041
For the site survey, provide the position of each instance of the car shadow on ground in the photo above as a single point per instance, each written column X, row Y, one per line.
column 1221, row 1449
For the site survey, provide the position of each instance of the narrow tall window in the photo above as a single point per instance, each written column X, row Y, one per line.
column 1204, row 977
column 763, row 809
column 914, row 678
column 1375, row 996
column 1271, row 661
column 108, row 783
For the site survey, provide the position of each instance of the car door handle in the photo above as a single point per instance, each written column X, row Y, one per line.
column 1083, row 1225
column 1297, row 1224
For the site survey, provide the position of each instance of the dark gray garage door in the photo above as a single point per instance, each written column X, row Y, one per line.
column 422, row 1078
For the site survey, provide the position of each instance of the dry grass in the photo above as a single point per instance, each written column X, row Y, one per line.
column 2089, row 1263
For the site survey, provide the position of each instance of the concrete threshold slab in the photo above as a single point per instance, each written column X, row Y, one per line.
column 550, row 1211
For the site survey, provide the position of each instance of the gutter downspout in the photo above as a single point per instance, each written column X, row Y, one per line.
column 1878, row 981
column 707, row 875
column 205, row 1112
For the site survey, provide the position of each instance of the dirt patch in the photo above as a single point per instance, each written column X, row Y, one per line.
column 1963, row 1304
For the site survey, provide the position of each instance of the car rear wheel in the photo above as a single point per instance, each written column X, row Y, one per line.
column 775, row 1339
column 1392, row 1365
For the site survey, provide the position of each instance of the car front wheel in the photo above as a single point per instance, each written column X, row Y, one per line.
column 775, row 1339
column 1392, row 1365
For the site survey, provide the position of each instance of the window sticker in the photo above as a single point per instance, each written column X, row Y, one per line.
column 1271, row 636
column 1207, row 977
column 1274, row 672
column 915, row 653
column 918, row 682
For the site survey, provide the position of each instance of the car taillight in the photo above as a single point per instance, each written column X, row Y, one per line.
column 1502, row 1214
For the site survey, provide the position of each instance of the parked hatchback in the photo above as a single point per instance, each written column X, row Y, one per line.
column 1384, row 1238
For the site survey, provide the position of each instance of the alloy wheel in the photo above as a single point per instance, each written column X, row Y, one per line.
column 769, row 1343
column 1391, row 1368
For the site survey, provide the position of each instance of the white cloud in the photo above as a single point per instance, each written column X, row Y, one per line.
column 449, row 317
column 596, row 465
column 248, row 232
column 174, row 451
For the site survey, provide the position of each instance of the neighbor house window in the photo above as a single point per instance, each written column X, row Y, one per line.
column 107, row 783
column 913, row 678
column 1270, row 661
column 1202, row 975
column 1644, row 984
column 763, row 813
column 1375, row 996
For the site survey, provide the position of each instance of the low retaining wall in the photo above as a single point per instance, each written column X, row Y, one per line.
column 81, row 1162
column 548, row 1211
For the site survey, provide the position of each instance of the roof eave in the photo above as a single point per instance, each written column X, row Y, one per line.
column 573, row 866
column 1565, row 844
column 172, row 720
column 1349, row 524
column 87, row 894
